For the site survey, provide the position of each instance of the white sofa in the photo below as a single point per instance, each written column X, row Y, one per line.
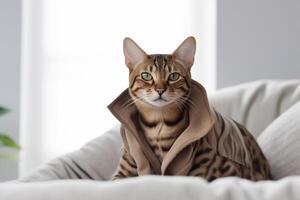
column 269, row 109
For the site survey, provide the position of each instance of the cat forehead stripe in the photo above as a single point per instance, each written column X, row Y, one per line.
column 160, row 61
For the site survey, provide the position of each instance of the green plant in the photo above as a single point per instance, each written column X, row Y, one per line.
column 5, row 140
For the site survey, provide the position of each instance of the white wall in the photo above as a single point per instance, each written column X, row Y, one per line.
column 257, row 39
column 10, row 32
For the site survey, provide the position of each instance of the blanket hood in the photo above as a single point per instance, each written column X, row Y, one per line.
column 201, row 120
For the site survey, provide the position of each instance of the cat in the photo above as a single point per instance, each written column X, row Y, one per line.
column 169, row 128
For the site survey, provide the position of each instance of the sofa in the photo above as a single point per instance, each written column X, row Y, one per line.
column 270, row 109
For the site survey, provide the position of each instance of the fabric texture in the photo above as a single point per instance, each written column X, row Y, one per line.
column 281, row 143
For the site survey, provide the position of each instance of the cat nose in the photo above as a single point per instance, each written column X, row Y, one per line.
column 160, row 91
column 160, row 87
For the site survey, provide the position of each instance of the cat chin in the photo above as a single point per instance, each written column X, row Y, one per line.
column 158, row 103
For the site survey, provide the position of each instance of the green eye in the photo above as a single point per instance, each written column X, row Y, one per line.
column 146, row 76
column 174, row 76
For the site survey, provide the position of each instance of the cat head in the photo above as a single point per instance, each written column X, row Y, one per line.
column 159, row 79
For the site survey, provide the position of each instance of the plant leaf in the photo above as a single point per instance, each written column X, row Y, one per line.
column 5, row 140
column 3, row 110
column 8, row 157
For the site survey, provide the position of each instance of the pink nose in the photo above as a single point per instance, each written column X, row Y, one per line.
column 160, row 87
column 160, row 91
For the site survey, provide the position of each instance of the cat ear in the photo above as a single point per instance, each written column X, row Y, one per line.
column 133, row 53
column 186, row 52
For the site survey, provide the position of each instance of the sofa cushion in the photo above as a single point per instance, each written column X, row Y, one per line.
column 97, row 160
column 281, row 143
column 256, row 104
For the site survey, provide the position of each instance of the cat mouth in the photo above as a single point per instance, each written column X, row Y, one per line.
column 160, row 99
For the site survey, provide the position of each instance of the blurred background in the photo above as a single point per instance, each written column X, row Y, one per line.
column 61, row 61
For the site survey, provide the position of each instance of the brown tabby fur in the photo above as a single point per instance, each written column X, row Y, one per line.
column 162, row 125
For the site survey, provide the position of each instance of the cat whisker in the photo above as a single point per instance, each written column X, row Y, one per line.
column 187, row 101
column 129, row 101
column 183, row 103
column 180, row 103
column 132, row 101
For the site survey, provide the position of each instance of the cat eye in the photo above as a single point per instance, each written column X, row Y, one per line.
column 174, row 76
column 146, row 76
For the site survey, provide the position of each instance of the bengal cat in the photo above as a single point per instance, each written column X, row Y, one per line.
column 161, row 89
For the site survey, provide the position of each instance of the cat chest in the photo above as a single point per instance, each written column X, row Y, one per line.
column 161, row 137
